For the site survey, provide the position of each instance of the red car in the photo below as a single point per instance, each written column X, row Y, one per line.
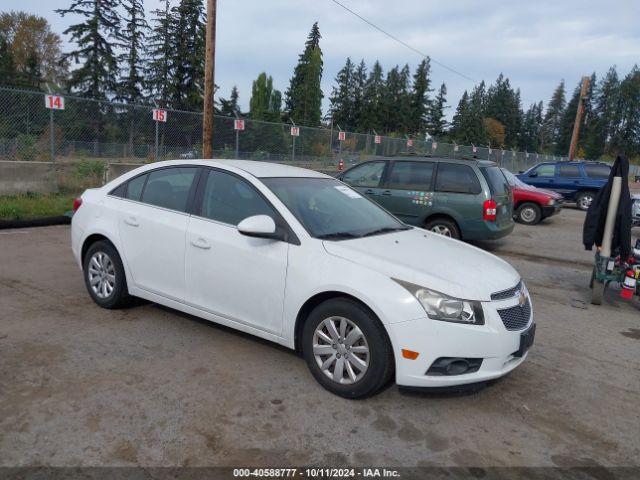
column 532, row 204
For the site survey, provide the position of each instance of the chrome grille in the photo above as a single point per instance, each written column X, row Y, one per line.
column 516, row 318
column 509, row 293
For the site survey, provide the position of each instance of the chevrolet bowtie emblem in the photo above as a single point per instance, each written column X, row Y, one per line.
column 522, row 299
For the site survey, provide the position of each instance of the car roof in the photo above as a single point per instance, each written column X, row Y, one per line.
column 477, row 161
column 255, row 168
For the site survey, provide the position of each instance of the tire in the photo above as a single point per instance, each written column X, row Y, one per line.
column 104, row 276
column 444, row 227
column 529, row 214
column 584, row 199
column 378, row 360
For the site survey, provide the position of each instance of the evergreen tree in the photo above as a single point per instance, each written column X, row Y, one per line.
column 132, row 40
column 436, row 124
column 531, row 128
column 503, row 104
column 468, row 124
column 160, row 54
column 266, row 102
column 567, row 121
column 606, row 111
column 187, row 85
column 458, row 125
column 304, row 96
column 342, row 97
column 230, row 107
column 7, row 65
column 552, row 119
column 371, row 116
column 359, row 82
column 627, row 136
column 396, row 101
column 96, row 77
column 420, row 104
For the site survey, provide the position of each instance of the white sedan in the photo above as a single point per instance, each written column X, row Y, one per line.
column 299, row 258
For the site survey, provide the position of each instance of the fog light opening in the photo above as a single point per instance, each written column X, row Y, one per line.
column 457, row 367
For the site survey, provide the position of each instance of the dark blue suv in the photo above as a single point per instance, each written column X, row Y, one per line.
column 576, row 181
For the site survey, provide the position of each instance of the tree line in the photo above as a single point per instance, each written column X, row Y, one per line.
column 119, row 54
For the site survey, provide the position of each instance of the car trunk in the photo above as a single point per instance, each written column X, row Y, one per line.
column 501, row 193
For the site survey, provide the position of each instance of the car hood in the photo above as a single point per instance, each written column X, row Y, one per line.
column 430, row 260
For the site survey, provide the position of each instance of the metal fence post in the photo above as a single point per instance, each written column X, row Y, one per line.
column 157, row 136
column 52, row 136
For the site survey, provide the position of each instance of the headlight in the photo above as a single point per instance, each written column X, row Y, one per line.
column 443, row 307
column 552, row 201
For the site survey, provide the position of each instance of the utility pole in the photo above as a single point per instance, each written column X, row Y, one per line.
column 579, row 114
column 209, row 70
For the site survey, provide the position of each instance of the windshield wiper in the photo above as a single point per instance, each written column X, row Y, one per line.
column 386, row 230
column 337, row 236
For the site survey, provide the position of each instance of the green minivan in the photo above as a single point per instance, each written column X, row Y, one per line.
column 463, row 199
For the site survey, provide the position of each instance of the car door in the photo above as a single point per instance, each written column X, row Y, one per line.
column 153, row 224
column 408, row 190
column 228, row 274
column 366, row 178
column 543, row 176
column 568, row 179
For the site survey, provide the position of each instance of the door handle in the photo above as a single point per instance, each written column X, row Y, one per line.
column 131, row 221
column 386, row 192
column 201, row 243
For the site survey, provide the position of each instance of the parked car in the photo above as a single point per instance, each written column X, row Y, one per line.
column 531, row 204
column 576, row 181
column 462, row 199
column 301, row 259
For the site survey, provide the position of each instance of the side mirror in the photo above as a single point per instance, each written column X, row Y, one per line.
column 521, row 171
column 260, row 226
column 533, row 174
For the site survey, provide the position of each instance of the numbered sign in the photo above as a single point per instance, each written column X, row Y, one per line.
column 377, row 139
column 455, row 148
column 54, row 102
column 434, row 146
column 409, row 142
column 295, row 131
column 238, row 124
column 474, row 149
column 490, row 150
column 342, row 136
column 159, row 115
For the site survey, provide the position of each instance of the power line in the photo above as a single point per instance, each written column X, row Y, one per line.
column 405, row 44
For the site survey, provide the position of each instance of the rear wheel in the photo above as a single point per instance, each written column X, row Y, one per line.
column 529, row 214
column 584, row 200
column 443, row 226
column 346, row 349
column 104, row 275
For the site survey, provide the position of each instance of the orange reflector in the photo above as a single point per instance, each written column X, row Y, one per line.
column 410, row 354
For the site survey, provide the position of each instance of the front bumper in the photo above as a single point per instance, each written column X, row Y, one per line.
column 433, row 339
column 549, row 210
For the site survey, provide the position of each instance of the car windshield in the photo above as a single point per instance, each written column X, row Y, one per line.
column 328, row 209
column 513, row 180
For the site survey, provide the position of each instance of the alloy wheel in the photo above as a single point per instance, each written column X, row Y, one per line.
column 585, row 201
column 441, row 230
column 101, row 274
column 528, row 214
column 341, row 350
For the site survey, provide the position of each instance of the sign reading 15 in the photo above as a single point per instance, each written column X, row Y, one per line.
column 54, row 102
column 159, row 115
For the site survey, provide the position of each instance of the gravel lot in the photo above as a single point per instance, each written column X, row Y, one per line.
column 150, row 386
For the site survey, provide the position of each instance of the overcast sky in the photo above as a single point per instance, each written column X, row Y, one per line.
column 534, row 43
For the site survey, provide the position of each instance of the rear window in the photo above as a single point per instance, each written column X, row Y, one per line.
column 457, row 178
column 495, row 178
column 597, row 171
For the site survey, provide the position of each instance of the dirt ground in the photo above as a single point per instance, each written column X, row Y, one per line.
column 149, row 386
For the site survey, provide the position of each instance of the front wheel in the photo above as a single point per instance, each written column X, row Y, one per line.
column 529, row 214
column 584, row 200
column 346, row 349
column 444, row 227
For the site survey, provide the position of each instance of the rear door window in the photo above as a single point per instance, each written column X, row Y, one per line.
column 597, row 171
column 135, row 186
column 169, row 187
column 411, row 176
column 568, row 171
column 457, row 178
column 365, row 175
column 497, row 181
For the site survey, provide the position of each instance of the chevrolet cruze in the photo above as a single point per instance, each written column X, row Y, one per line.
column 299, row 258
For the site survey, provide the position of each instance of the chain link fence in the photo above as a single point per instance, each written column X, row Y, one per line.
column 91, row 130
